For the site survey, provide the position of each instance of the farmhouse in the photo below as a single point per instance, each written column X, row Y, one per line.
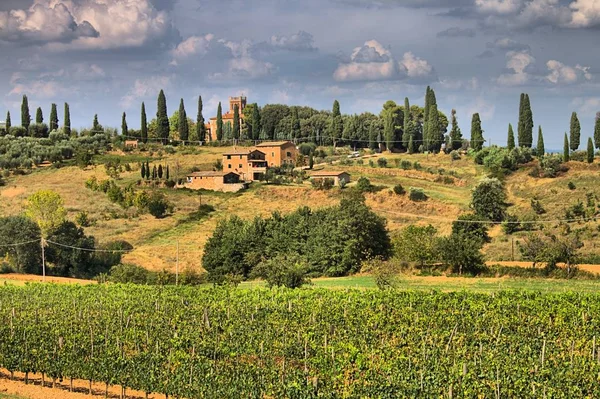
column 337, row 177
column 227, row 117
column 279, row 153
column 132, row 144
column 250, row 165
column 216, row 181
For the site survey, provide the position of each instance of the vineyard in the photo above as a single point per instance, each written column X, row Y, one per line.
column 217, row 343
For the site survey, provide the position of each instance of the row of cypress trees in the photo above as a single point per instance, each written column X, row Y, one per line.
column 39, row 117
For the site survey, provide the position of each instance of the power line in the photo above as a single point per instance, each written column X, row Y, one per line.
column 19, row 243
column 89, row 249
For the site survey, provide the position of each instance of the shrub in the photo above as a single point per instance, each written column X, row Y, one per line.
column 454, row 155
column 158, row 205
column 169, row 184
column 307, row 149
column 364, row 185
column 417, row 166
column 382, row 162
column 371, row 163
column 511, row 224
column 83, row 219
column 417, row 195
column 571, row 186
column 399, row 190
column 128, row 273
column 287, row 270
column 489, row 199
column 537, row 207
column 406, row 165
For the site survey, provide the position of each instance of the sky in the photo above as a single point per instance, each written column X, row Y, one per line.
column 107, row 56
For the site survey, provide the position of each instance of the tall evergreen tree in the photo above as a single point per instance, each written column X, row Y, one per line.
column 96, row 125
column 389, row 129
column 435, row 135
column 525, row 128
column 540, row 149
column 295, row 124
column 236, row 122
column 256, row 123
column 411, row 145
column 455, row 134
column 25, row 116
column 597, row 131
column 39, row 116
column 167, row 173
column 183, row 127
column 476, row 133
column 426, row 139
column 162, row 118
column 67, row 122
column 575, row 138
column 372, row 137
column 8, row 121
column 144, row 125
column 510, row 142
column 154, row 172
column 219, row 122
column 337, row 125
column 124, row 127
column 160, row 171
column 406, row 131
column 521, row 123
column 200, row 123
column 566, row 150
column 143, row 171
column 590, row 150
column 53, row 118
column 147, row 170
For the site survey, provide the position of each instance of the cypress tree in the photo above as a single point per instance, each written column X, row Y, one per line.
column 219, row 122
column 200, row 126
column 575, row 132
column 520, row 125
column 476, row 133
column 167, row 173
column 143, row 171
column 147, row 170
column 160, row 171
column 154, row 172
column 236, row 122
column 39, row 116
column 372, row 137
column 455, row 134
column 25, row 116
column 511, row 137
column 389, row 131
column 8, row 121
column 406, row 133
column 411, row 145
column 337, row 125
column 96, row 124
column 295, row 124
column 597, row 131
column 124, row 128
column 67, row 123
column 590, row 150
column 162, row 119
column 183, row 126
column 53, row 118
column 256, row 125
column 144, row 126
column 566, row 152
column 311, row 161
column 433, row 125
column 528, row 123
column 426, row 140
column 541, row 149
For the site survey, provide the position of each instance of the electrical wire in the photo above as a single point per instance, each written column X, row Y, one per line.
column 18, row 244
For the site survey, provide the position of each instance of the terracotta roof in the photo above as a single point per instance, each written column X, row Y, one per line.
column 209, row 174
column 326, row 173
column 274, row 144
column 237, row 153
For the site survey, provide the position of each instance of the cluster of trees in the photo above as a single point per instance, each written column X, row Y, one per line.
column 45, row 221
column 39, row 129
column 155, row 173
column 330, row 241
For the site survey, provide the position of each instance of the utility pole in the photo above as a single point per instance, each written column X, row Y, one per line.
column 177, row 266
column 43, row 260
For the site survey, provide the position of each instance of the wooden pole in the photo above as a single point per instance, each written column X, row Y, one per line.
column 43, row 261
column 177, row 266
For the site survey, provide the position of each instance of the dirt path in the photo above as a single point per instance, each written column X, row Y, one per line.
column 38, row 279
column 34, row 389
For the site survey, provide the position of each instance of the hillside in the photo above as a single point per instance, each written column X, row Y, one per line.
column 446, row 182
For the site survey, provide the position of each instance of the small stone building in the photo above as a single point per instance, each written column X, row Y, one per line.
column 337, row 177
column 215, row 181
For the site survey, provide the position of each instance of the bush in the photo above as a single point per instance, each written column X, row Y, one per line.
column 399, row 190
column 307, row 149
column 382, row 162
column 158, row 205
column 550, row 167
column 511, row 224
column 364, row 185
column 537, row 207
column 489, row 200
column 571, row 186
column 283, row 270
column 417, row 195
column 406, row 165
column 83, row 219
column 454, row 155
column 128, row 273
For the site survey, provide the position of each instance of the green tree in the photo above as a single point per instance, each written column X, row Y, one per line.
column 200, row 123
column 24, row 258
column 470, row 224
column 525, row 127
column 39, row 116
column 597, row 131
column 488, row 200
column 46, row 208
column 566, row 150
column 455, row 134
column 426, row 118
column 53, row 118
column 284, row 270
column 183, row 127
column 25, row 116
column 311, row 161
column 96, row 125
column 67, row 123
column 476, row 133
column 337, row 125
column 295, row 128
column 160, row 172
column 511, row 137
column 435, row 136
column 406, row 131
column 462, row 254
column 167, row 175
column 143, row 171
column 372, row 137
column 219, row 122
column 8, row 121
column 590, row 150
column 124, row 128
column 236, row 123
column 256, row 122
column 411, row 145
column 541, row 149
column 416, row 244
column 144, row 124
column 575, row 132
column 154, row 172
column 162, row 118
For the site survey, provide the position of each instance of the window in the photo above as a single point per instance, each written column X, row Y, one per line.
column 229, row 166
column 228, row 156
column 240, row 166
column 240, row 157
column 272, row 154
column 289, row 154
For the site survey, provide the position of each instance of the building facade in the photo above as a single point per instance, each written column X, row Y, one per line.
column 216, row 181
column 337, row 177
column 250, row 165
column 240, row 102
column 279, row 153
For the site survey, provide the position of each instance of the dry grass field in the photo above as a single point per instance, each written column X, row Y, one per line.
column 155, row 240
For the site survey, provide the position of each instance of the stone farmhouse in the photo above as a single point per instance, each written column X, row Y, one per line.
column 336, row 177
column 217, row 181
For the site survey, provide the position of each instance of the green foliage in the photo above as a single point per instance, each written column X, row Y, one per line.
column 597, row 131
column 364, row 185
column 399, row 190
column 416, row 244
column 455, row 134
column 537, row 207
column 575, row 132
column 540, row 149
column 200, row 123
column 417, row 195
column 322, row 184
column 162, row 118
column 382, row 162
column 284, row 270
column 571, row 186
column 201, row 213
column 67, row 122
column 502, row 161
column 590, row 151
column 158, row 205
column 476, row 133
column 462, row 254
column 566, row 152
column 39, row 116
column 83, row 158
column 550, row 167
column 83, row 219
column 334, row 241
column 511, row 224
column 219, row 132
column 25, row 258
column 488, row 200
column 510, row 144
column 53, row 118
column 470, row 225
column 70, row 262
column 46, row 208
column 144, row 124
column 8, row 121
column 25, row 116
column 525, row 127
column 551, row 250
column 124, row 127
column 183, row 126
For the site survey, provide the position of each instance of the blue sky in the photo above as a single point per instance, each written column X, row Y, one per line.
column 107, row 56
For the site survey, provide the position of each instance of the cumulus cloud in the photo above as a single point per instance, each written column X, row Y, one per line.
column 564, row 74
column 88, row 24
column 301, row 41
column 585, row 13
column 517, row 66
column 144, row 88
column 372, row 62
column 457, row 32
column 586, row 105
column 42, row 88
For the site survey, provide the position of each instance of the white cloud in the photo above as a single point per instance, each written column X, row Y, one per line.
column 249, row 68
column 585, row 13
column 586, row 105
column 485, row 109
column 564, row 74
column 193, row 45
column 144, row 88
column 517, row 63
column 417, row 68
column 502, row 7
column 507, row 44
column 40, row 87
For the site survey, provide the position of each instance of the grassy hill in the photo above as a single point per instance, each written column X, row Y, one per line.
column 446, row 182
